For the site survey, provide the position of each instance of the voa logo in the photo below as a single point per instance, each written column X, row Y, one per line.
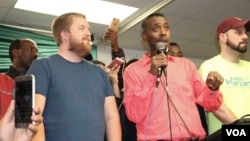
column 236, row 132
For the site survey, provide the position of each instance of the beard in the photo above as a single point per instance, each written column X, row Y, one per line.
column 80, row 48
column 238, row 47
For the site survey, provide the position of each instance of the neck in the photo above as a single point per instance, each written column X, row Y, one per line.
column 231, row 56
column 69, row 55
column 19, row 67
column 152, row 53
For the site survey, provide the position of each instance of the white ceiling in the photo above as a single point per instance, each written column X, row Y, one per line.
column 192, row 22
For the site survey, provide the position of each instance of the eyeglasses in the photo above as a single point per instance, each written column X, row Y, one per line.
column 30, row 49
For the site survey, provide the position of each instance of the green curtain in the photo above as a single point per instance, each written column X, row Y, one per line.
column 46, row 44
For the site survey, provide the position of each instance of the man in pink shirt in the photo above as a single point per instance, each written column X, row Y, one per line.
column 166, row 110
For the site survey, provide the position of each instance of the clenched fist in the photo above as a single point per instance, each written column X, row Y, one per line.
column 214, row 80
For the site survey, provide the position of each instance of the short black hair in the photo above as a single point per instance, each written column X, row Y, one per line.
column 92, row 37
column 131, row 61
column 145, row 21
column 98, row 62
column 173, row 44
column 16, row 44
column 89, row 57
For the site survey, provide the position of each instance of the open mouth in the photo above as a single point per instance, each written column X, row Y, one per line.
column 163, row 41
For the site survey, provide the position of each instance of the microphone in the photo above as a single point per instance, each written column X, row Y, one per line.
column 160, row 49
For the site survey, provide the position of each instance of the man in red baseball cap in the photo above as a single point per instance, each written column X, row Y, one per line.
column 232, row 38
column 232, row 23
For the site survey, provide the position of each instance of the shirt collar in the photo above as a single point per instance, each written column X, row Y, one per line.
column 12, row 72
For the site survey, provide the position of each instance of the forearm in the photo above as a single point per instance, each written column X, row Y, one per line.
column 225, row 115
column 138, row 96
column 113, row 129
column 116, row 90
column 112, row 120
column 115, row 46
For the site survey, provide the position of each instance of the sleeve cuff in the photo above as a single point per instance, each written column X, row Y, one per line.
column 212, row 100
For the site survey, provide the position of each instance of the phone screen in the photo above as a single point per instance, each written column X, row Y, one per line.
column 24, row 101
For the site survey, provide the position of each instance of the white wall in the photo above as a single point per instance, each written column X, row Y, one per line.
column 104, row 55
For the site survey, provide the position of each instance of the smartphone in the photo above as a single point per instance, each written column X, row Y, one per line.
column 24, row 100
column 114, row 24
column 117, row 61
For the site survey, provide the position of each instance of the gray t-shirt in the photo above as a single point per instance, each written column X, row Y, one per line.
column 75, row 95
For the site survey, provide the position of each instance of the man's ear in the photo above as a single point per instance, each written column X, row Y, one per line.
column 144, row 37
column 64, row 35
column 14, row 52
column 222, row 36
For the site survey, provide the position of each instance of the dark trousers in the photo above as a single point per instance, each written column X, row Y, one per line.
column 203, row 118
column 128, row 128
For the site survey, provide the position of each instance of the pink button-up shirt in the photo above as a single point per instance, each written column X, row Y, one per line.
column 155, row 116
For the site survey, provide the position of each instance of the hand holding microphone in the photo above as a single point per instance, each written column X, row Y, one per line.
column 159, row 61
column 161, row 49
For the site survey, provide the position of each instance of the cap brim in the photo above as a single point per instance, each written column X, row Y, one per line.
column 247, row 25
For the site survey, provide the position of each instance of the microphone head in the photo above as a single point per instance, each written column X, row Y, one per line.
column 160, row 48
column 160, row 45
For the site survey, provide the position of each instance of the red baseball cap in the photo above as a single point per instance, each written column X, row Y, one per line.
column 232, row 23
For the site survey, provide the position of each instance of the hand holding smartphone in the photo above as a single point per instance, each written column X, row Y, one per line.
column 114, row 24
column 24, row 100
column 117, row 61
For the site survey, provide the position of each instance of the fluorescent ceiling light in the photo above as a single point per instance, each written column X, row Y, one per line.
column 96, row 11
